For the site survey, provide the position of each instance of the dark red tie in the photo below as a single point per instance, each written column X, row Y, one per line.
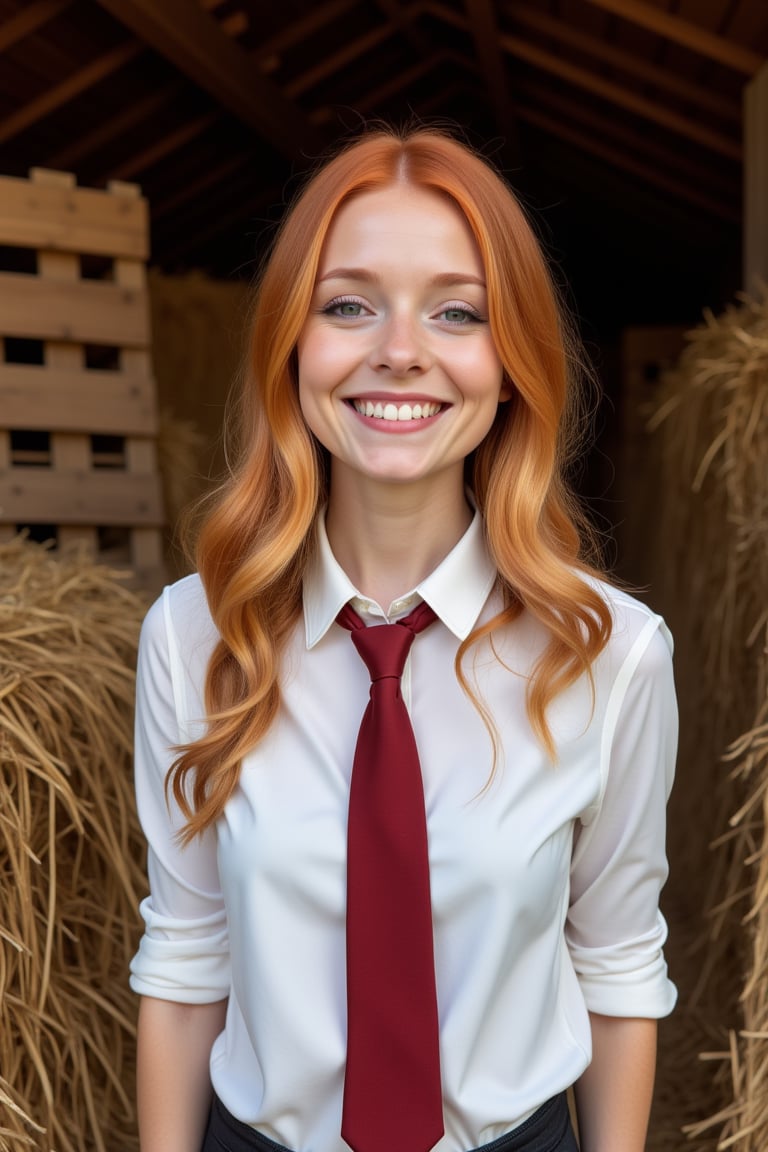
column 392, row 1091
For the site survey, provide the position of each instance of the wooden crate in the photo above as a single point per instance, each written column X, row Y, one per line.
column 78, row 413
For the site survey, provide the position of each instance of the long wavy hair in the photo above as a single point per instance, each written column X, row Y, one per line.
column 258, row 532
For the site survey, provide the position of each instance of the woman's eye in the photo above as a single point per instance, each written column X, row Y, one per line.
column 457, row 315
column 346, row 308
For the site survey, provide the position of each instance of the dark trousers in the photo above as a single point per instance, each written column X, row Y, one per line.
column 548, row 1130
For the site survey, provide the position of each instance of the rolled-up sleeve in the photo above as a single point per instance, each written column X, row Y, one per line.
column 615, row 930
column 184, row 952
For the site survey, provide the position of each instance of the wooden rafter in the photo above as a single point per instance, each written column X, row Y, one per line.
column 625, row 62
column 329, row 65
column 617, row 158
column 403, row 20
column 300, row 30
column 482, row 21
column 616, row 94
column 405, row 77
column 621, row 97
column 114, row 127
column 133, row 165
column 644, row 147
column 182, row 32
column 691, row 36
column 59, row 94
column 138, row 110
column 213, row 176
column 28, row 20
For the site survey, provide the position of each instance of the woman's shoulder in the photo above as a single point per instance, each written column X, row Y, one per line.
column 180, row 617
column 633, row 623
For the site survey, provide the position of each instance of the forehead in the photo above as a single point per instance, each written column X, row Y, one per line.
column 398, row 219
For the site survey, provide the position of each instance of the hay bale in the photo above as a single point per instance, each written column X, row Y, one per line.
column 710, row 476
column 71, row 853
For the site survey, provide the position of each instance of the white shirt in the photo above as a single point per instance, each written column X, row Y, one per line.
column 544, row 886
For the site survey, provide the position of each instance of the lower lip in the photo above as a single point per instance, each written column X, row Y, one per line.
column 398, row 426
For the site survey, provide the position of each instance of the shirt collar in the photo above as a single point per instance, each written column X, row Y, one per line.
column 457, row 589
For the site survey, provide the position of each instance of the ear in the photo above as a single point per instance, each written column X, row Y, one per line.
column 506, row 390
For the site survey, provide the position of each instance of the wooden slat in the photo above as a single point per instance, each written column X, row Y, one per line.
column 112, row 403
column 89, row 312
column 48, row 496
column 614, row 93
column 403, row 78
column 353, row 50
column 615, row 156
column 482, row 21
column 193, row 41
column 706, row 186
column 54, row 97
column 691, row 36
column 626, row 63
column 70, row 451
column 147, row 554
column 161, row 148
column 621, row 97
column 113, row 127
column 28, row 20
column 302, row 28
column 66, row 219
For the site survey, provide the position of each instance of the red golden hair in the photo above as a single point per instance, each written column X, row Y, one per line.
column 254, row 543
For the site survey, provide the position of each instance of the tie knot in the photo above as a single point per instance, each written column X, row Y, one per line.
column 384, row 649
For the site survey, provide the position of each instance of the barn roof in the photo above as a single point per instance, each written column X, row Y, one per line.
column 627, row 110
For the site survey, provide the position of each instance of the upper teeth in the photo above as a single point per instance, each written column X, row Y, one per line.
column 390, row 411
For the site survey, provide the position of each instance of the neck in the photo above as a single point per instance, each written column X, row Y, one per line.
column 388, row 538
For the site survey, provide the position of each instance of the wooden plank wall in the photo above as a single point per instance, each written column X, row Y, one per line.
column 78, row 413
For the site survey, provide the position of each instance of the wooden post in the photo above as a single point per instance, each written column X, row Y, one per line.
column 755, row 268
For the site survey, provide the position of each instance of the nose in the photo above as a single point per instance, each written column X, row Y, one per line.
column 402, row 347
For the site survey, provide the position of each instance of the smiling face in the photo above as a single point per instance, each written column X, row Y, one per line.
column 399, row 378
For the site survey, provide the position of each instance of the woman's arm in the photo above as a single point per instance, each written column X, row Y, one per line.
column 173, row 1082
column 613, row 1097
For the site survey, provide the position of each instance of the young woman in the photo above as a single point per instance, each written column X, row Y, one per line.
column 407, row 411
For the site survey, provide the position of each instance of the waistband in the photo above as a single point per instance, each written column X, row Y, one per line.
column 547, row 1130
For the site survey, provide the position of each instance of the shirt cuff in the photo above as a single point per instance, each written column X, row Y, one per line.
column 186, row 962
column 628, row 979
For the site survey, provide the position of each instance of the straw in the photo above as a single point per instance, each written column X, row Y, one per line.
column 71, row 853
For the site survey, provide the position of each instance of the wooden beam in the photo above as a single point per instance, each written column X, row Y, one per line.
column 191, row 188
column 625, row 62
column 300, row 30
column 113, row 127
column 756, row 182
column 331, row 64
column 402, row 78
column 28, row 20
column 182, row 32
column 617, row 158
column 621, row 97
column 140, row 161
column 690, row 36
column 403, row 21
column 53, row 216
column 83, row 312
column 643, row 145
column 53, row 98
column 482, row 21
column 136, row 111
column 613, row 93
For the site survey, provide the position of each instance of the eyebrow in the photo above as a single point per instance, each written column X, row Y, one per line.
column 368, row 276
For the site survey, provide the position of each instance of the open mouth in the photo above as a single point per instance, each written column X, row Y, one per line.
column 378, row 410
